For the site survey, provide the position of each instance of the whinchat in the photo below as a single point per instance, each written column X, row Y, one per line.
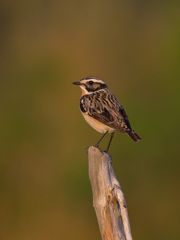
column 102, row 110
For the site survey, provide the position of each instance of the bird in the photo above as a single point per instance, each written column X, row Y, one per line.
column 102, row 110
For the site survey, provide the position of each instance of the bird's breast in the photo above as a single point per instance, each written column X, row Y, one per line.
column 97, row 125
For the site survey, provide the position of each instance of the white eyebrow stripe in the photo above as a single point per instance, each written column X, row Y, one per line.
column 92, row 79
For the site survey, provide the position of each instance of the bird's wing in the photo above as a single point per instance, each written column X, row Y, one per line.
column 105, row 108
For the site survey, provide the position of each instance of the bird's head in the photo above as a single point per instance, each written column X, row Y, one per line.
column 90, row 84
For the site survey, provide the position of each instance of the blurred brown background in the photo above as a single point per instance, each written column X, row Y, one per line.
column 44, row 46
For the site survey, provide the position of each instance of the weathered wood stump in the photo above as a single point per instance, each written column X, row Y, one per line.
column 108, row 198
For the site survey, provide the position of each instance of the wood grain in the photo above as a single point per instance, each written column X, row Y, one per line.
column 108, row 198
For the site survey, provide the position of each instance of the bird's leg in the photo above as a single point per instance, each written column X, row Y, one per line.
column 97, row 144
column 109, row 144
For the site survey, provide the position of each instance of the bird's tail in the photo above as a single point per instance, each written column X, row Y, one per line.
column 134, row 135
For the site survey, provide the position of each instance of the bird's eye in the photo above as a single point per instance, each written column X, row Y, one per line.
column 90, row 82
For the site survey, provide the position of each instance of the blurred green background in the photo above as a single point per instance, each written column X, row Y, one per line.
column 46, row 45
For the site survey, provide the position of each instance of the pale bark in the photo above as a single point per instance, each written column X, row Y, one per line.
column 108, row 198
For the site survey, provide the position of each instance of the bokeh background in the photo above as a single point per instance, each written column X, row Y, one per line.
column 44, row 46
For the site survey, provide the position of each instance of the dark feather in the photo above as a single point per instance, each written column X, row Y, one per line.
column 104, row 107
column 134, row 135
column 82, row 106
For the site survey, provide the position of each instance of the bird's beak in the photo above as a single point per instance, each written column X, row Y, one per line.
column 77, row 83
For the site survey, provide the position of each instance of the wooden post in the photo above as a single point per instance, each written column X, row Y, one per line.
column 108, row 198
